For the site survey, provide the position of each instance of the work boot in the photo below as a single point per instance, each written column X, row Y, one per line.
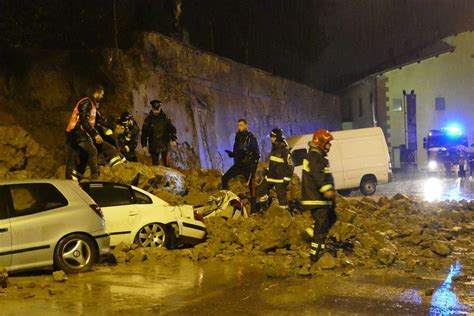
column 316, row 251
column 76, row 176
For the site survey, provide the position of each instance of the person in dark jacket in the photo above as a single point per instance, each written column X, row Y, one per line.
column 158, row 133
column 280, row 170
column 246, row 155
column 127, row 131
column 318, row 193
column 81, row 135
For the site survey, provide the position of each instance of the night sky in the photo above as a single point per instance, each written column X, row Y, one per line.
column 323, row 43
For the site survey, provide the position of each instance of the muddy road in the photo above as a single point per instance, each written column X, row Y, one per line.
column 184, row 287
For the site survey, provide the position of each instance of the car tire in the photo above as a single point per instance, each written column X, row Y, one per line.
column 368, row 186
column 75, row 253
column 345, row 192
column 154, row 235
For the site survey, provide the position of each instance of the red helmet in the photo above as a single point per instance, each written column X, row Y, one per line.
column 322, row 137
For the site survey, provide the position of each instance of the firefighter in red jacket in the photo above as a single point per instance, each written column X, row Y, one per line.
column 318, row 193
column 279, row 171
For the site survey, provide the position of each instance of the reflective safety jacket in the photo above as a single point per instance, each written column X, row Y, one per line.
column 281, row 166
column 83, row 119
column 316, row 180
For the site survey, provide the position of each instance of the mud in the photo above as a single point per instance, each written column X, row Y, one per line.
column 183, row 287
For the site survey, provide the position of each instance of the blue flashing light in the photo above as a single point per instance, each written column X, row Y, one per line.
column 453, row 130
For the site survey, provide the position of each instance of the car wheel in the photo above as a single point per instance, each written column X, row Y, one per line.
column 368, row 186
column 153, row 235
column 75, row 253
column 345, row 192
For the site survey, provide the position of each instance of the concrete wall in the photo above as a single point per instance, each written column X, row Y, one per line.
column 450, row 76
column 203, row 94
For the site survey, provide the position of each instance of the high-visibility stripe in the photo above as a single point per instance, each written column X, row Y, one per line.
column 263, row 198
column 313, row 252
column 115, row 161
column 315, row 202
column 314, row 244
column 109, row 132
column 325, row 188
column 277, row 159
column 327, row 170
column 128, row 138
column 287, row 179
column 274, row 180
column 306, row 165
column 127, row 148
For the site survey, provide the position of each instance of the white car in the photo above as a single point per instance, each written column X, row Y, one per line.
column 46, row 223
column 137, row 216
column 225, row 204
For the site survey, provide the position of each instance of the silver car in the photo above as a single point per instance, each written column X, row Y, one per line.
column 49, row 223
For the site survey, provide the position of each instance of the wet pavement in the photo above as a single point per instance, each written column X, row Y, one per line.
column 429, row 188
column 184, row 287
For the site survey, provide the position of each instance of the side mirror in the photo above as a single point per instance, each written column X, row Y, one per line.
column 425, row 143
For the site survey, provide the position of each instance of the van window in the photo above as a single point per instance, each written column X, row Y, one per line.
column 3, row 203
column 298, row 156
column 33, row 198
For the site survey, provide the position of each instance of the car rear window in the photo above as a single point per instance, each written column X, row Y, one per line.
column 31, row 198
column 141, row 198
column 110, row 194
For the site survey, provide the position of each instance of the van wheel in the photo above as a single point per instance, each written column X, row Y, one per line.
column 75, row 253
column 345, row 192
column 368, row 185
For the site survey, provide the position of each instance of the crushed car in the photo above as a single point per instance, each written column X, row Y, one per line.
column 225, row 204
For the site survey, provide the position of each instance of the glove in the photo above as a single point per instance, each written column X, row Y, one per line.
column 230, row 153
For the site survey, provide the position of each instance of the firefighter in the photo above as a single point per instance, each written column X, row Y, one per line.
column 81, row 134
column 279, row 171
column 246, row 155
column 158, row 133
column 127, row 131
column 318, row 193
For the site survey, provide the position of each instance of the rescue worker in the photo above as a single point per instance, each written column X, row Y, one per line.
column 318, row 193
column 127, row 131
column 246, row 155
column 79, row 138
column 158, row 133
column 279, row 171
column 81, row 134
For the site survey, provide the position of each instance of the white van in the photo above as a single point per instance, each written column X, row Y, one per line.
column 358, row 159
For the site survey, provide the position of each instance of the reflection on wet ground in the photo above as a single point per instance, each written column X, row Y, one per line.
column 428, row 188
column 216, row 288
column 445, row 301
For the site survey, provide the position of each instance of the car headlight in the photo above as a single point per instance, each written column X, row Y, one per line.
column 432, row 165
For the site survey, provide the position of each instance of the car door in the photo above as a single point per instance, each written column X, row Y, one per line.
column 118, row 206
column 5, row 231
column 34, row 220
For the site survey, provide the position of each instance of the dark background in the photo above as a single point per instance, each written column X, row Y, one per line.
column 323, row 43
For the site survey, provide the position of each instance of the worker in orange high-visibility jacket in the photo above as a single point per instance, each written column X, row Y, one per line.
column 83, row 140
column 318, row 193
column 81, row 135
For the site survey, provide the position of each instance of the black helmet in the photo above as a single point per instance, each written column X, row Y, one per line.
column 155, row 104
column 124, row 117
column 278, row 133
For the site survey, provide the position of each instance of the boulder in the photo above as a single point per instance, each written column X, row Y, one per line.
column 59, row 276
column 386, row 256
column 345, row 215
column 440, row 248
column 325, row 262
column 342, row 231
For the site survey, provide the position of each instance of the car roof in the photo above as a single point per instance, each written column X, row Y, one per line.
column 106, row 182
column 26, row 181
